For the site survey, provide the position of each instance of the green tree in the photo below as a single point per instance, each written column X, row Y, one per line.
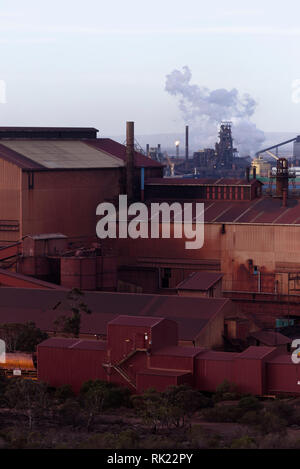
column 244, row 442
column 30, row 336
column 21, row 337
column 69, row 412
column 182, row 402
column 93, row 399
column 70, row 324
column 115, row 396
column 250, row 403
column 226, row 391
column 64, row 392
column 151, row 407
column 27, row 395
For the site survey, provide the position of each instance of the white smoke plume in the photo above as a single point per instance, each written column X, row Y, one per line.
column 203, row 110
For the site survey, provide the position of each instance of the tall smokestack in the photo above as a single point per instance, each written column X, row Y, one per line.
column 148, row 150
column 158, row 150
column 284, row 197
column 248, row 174
column 129, row 159
column 186, row 144
column 177, row 148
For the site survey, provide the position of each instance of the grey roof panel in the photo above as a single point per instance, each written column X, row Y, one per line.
column 61, row 154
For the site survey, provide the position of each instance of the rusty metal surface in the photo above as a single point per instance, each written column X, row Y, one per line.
column 200, row 281
column 271, row 338
column 177, row 351
column 191, row 314
column 118, row 150
column 56, row 154
column 265, row 210
column 13, row 279
column 18, row 159
column 256, row 353
column 201, row 182
column 135, row 321
column 78, row 344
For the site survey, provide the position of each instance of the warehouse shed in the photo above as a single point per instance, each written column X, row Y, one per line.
column 136, row 355
column 200, row 320
column 52, row 179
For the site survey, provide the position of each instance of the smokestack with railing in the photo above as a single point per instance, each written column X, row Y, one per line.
column 158, row 151
column 282, row 177
column 130, row 160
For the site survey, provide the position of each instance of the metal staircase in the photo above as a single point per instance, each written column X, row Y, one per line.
column 118, row 366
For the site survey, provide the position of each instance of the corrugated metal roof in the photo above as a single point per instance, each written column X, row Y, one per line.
column 214, row 355
column 117, row 149
column 47, row 129
column 191, row 314
column 135, row 321
column 281, row 359
column 47, row 236
column 78, row 344
column 179, row 351
column 200, row 281
column 264, row 210
column 256, row 353
column 178, row 306
column 164, row 372
column 35, row 281
column 58, row 342
column 201, row 182
column 271, row 338
column 19, row 160
column 60, row 154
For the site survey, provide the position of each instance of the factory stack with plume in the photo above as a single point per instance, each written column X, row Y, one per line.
column 204, row 109
column 129, row 159
column 186, row 144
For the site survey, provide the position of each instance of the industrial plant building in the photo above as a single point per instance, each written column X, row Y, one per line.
column 52, row 179
column 200, row 320
column 161, row 314
column 143, row 352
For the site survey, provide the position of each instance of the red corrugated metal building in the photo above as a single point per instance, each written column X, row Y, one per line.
column 200, row 320
column 52, row 180
column 136, row 357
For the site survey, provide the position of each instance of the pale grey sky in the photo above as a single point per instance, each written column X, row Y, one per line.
column 101, row 63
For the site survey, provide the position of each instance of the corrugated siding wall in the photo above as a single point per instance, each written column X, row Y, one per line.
column 10, row 201
column 66, row 201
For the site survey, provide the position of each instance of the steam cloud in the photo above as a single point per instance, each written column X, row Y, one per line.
column 204, row 110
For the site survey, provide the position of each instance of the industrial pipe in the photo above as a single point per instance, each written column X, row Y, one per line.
column 186, row 143
column 129, row 159
column 284, row 197
column 142, row 184
column 248, row 174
